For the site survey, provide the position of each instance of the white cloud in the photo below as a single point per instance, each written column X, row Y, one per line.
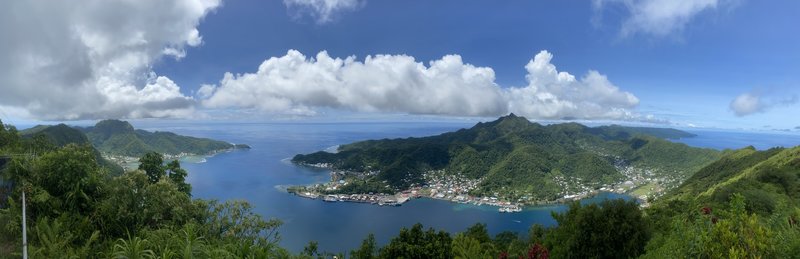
column 553, row 94
column 392, row 83
column 296, row 84
column 322, row 11
column 658, row 17
column 92, row 59
column 755, row 102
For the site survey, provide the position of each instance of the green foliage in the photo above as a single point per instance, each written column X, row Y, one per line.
column 475, row 242
column 178, row 176
column 418, row 243
column 516, row 157
column 67, row 179
column 235, row 220
column 76, row 210
column 368, row 249
column 711, row 233
column 743, row 206
column 9, row 137
column 766, row 179
column 153, row 164
column 47, row 138
column 132, row 248
column 612, row 229
column 617, row 132
column 59, row 135
column 55, row 240
column 466, row 247
column 360, row 186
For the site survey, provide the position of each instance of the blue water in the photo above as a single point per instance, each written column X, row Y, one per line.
column 720, row 139
column 254, row 175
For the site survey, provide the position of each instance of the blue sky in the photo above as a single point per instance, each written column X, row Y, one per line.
column 707, row 63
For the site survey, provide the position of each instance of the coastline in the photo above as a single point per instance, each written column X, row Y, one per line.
column 455, row 189
column 401, row 198
column 129, row 163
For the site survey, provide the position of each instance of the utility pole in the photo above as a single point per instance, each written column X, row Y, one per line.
column 24, row 232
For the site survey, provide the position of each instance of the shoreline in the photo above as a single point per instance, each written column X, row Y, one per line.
column 450, row 188
column 401, row 198
column 129, row 163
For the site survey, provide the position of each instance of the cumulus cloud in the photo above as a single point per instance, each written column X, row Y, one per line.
column 393, row 83
column 296, row 84
column 658, row 17
column 322, row 11
column 554, row 94
column 92, row 59
column 754, row 102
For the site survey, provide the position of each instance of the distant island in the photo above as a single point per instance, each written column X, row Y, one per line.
column 510, row 162
column 120, row 143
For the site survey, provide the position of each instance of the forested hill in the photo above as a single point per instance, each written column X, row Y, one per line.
column 61, row 135
column 120, row 138
column 746, row 203
column 769, row 180
column 515, row 156
column 117, row 137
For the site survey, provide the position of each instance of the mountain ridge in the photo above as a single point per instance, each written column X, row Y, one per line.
column 521, row 158
column 120, row 138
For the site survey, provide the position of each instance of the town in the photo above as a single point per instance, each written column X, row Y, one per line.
column 641, row 183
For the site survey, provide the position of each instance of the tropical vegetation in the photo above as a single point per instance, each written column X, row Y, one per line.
column 77, row 209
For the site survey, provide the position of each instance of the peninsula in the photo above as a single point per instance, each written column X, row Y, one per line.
column 118, row 142
column 510, row 162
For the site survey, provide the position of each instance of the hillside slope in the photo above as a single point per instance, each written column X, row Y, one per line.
column 745, row 205
column 767, row 180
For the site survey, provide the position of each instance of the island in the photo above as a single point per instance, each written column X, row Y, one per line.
column 510, row 163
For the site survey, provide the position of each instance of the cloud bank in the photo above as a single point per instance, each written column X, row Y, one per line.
column 296, row 84
column 754, row 102
column 322, row 11
column 658, row 18
column 87, row 59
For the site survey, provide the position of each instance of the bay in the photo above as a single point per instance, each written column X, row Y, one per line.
column 257, row 175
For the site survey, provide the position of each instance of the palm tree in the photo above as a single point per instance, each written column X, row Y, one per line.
column 133, row 248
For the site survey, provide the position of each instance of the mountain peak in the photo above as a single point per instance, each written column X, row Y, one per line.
column 113, row 127
column 511, row 117
column 510, row 122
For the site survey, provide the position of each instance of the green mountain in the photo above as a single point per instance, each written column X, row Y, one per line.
column 518, row 158
column 117, row 137
column 60, row 135
column 767, row 180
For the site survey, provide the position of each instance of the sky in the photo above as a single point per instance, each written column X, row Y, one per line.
column 729, row 64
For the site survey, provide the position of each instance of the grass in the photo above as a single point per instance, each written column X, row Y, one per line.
column 645, row 189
